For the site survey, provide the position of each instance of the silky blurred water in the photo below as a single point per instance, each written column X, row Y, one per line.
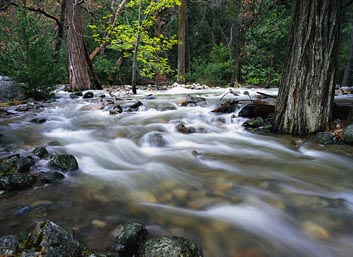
column 233, row 192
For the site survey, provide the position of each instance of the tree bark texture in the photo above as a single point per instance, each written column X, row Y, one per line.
column 60, row 37
column 349, row 63
column 237, row 40
column 181, row 41
column 78, row 72
column 305, row 99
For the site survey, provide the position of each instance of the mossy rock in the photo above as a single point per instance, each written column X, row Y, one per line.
column 64, row 162
column 169, row 247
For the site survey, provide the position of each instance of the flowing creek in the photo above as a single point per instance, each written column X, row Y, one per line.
column 233, row 192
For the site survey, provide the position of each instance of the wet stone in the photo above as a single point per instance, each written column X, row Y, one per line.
column 41, row 152
column 38, row 120
column 348, row 134
column 156, row 140
column 88, row 95
column 49, row 177
column 182, row 129
column 24, row 164
column 169, row 247
column 9, row 164
column 254, row 122
column 50, row 240
column 324, row 138
column 64, row 162
column 128, row 238
column 8, row 245
column 116, row 109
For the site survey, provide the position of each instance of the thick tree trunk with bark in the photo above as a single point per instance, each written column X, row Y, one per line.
column 349, row 63
column 78, row 72
column 181, row 41
column 305, row 98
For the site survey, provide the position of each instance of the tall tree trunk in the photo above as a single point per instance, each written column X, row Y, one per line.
column 237, row 40
column 349, row 63
column 60, row 37
column 134, row 60
column 181, row 41
column 79, row 78
column 305, row 97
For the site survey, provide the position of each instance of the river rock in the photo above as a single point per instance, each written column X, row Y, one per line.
column 315, row 231
column 38, row 120
column 41, row 152
column 50, row 240
column 49, row 177
column 76, row 95
column 116, row 109
column 9, row 164
column 166, row 107
column 156, row 140
column 254, row 122
column 24, row 164
column 88, row 95
column 348, row 134
column 134, row 107
column 169, row 247
column 8, row 245
column 182, row 129
column 64, row 162
column 324, row 138
column 128, row 238
column 16, row 181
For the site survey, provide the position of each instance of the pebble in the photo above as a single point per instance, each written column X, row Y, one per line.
column 315, row 231
column 146, row 197
column 99, row 223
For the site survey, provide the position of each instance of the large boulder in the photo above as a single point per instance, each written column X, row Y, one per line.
column 169, row 247
column 64, row 162
column 50, row 240
column 348, row 134
column 128, row 238
column 10, row 90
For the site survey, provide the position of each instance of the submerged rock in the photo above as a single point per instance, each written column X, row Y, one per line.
column 182, row 129
column 50, row 240
column 324, row 138
column 169, row 247
column 128, row 238
column 156, row 140
column 64, row 162
column 348, row 134
column 8, row 245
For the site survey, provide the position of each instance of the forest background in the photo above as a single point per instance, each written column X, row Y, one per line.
column 136, row 41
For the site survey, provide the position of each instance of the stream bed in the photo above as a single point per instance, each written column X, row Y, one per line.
column 235, row 193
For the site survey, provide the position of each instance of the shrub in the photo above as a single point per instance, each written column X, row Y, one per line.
column 27, row 55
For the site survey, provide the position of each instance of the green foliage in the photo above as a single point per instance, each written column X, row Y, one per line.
column 217, row 70
column 28, row 55
column 264, row 53
column 152, row 49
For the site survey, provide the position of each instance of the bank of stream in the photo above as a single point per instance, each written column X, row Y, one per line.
column 233, row 192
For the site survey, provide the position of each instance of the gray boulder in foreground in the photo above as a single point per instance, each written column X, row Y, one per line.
column 169, row 247
column 50, row 240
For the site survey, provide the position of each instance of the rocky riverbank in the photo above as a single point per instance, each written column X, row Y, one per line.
column 127, row 240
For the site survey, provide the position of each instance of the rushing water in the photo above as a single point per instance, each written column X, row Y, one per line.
column 235, row 193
